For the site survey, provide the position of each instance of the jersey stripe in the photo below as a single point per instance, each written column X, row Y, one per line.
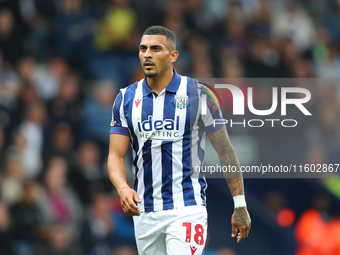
column 200, row 151
column 177, row 149
column 147, row 107
column 188, row 191
column 117, row 104
column 158, row 105
column 137, row 162
column 168, row 113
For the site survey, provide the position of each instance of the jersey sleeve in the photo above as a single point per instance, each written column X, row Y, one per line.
column 213, row 119
column 118, row 123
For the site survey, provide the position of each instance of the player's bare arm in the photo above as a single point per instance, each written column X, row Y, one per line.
column 116, row 168
column 240, row 218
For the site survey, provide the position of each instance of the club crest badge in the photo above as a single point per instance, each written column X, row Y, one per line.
column 113, row 122
column 181, row 101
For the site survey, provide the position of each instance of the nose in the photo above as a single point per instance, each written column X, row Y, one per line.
column 147, row 53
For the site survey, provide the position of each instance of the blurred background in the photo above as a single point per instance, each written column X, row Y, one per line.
column 62, row 63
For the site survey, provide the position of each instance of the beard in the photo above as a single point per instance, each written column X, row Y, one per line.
column 150, row 75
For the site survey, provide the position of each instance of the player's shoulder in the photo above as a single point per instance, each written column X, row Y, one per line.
column 204, row 87
column 210, row 92
column 195, row 84
column 201, row 87
column 192, row 83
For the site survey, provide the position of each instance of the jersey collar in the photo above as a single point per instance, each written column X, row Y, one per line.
column 172, row 87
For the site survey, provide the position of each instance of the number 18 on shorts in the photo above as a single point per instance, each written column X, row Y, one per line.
column 181, row 231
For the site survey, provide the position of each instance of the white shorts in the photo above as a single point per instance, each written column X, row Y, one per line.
column 178, row 231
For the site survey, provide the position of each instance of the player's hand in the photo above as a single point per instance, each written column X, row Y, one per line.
column 128, row 197
column 240, row 220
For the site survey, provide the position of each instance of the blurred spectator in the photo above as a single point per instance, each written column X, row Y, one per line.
column 98, row 109
column 275, row 201
column 66, row 106
column 62, row 143
column 40, row 17
column 301, row 69
column 196, row 17
column 2, row 150
column 9, row 85
column 27, row 92
column 289, row 52
column 233, row 32
column 333, row 185
column 316, row 155
column 327, row 130
column 173, row 19
column 124, row 251
column 11, row 184
column 232, row 68
column 217, row 9
column 263, row 60
column 6, row 236
column 58, row 204
column 317, row 9
column 124, row 234
column 26, row 68
column 60, row 242
column 32, row 129
column 98, row 227
column 28, row 158
column 45, row 79
column 319, row 48
column 14, row 6
column 116, row 30
column 74, row 32
column 26, row 219
column 329, row 66
column 28, row 96
column 277, row 205
column 317, row 231
column 105, row 229
column 332, row 20
column 58, row 68
column 89, row 174
column 116, row 40
column 260, row 20
column 226, row 251
column 149, row 12
column 11, row 39
column 201, row 62
column 202, row 66
column 235, row 35
column 294, row 24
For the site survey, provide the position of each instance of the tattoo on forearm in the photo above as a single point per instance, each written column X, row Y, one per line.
column 242, row 216
column 220, row 141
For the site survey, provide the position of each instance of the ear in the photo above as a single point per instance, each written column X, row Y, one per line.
column 174, row 56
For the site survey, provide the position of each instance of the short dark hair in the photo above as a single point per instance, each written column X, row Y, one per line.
column 160, row 30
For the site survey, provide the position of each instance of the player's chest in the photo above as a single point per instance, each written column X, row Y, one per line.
column 163, row 117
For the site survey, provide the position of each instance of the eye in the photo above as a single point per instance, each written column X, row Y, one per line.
column 156, row 48
column 142, row 48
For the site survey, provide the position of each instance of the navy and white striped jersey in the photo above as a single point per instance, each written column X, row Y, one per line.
column 167, row 134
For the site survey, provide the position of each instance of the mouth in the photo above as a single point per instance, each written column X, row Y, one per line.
column 148, row 65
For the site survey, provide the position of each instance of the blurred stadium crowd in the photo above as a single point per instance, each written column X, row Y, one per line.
column 61, row 65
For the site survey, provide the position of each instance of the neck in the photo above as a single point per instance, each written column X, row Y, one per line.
column 161, row 81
